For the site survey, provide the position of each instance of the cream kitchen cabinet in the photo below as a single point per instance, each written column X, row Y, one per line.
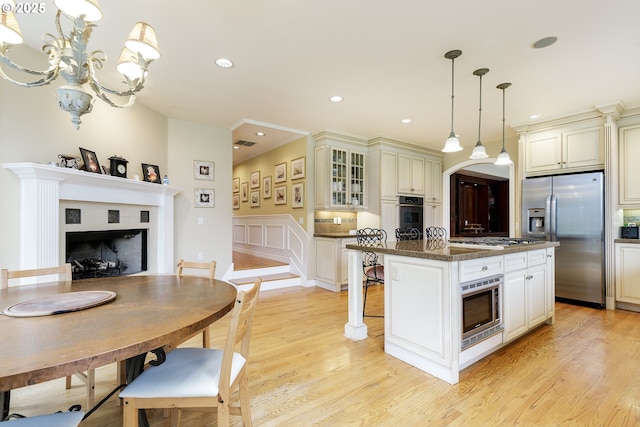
column 331, row 262
column 564, row 150
column 628, row 272
column 411, row 178
column 629, row 175
column 388, row 175
column 433, row 185
column 340, row 178
column 526, row 292
column 432, row 215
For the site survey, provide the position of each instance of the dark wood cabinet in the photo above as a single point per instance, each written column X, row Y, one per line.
column 479, row 205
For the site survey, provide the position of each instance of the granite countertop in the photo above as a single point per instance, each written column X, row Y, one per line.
column 635, row 241
column 334, row 235
column 438, row 250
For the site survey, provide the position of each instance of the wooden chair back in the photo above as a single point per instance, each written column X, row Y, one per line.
column 182, row 265
column 239, row 334
column 63, row 272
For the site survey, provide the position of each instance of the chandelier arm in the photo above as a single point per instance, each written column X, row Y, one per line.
column 49, row 74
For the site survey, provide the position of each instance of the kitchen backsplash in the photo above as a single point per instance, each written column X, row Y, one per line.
column 631, row 215
column 335, row 222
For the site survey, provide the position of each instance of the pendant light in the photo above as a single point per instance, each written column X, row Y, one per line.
column 452, row 143
column 503, row 157
column 478, row 151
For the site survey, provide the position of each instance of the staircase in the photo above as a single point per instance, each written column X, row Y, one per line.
column 274, row 274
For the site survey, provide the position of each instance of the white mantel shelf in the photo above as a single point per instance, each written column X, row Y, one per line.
column 43, row 186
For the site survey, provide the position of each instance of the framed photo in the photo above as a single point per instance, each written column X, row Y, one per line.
column 255, row 179
column 255, row 199
column 204, row 170
column 297, row 195
column 235, row 185
column 280, row 173
column 90, row 160
column 280, row 195
column 266, row 187
column 205, row 198
column 297, row 168
column 235, row 201
column 151, row 173
column 244, row 192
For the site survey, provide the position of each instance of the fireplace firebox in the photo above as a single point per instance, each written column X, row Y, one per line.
column 106, row 252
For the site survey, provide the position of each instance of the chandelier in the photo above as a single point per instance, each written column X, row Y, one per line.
column 68, row 57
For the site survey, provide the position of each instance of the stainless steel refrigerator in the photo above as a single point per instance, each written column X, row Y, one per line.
column 570, row 209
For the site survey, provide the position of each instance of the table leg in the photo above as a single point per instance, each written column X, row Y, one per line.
column 5, row 400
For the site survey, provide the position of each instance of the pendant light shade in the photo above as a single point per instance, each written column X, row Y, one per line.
column 479, row 151
column 452, row 144
column 503, row 157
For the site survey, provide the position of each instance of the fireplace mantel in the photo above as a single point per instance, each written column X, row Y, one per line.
column 43, row 186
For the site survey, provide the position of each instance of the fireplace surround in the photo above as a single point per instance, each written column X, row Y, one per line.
column 45, row 190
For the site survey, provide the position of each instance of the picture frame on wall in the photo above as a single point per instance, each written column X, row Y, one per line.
column 254, row 180
column 205, row 198
column 297, row 195
column 298, row 168
column 255, row 199
column 90, row 160
column 280, row 173
column 244, row 192
column 266, row 187
column 151, row 173
column 235, row 201
column 280, row 195
column 204, row 170
column 235, row 185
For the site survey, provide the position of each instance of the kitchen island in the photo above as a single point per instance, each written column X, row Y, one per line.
column 426, row 283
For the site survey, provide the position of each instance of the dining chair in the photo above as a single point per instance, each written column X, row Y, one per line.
column 372, row 269
column 64, row 273
column 59, row 419
column 211, row 267
column 200, row 379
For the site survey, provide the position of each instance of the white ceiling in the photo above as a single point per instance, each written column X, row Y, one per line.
column 386, row 58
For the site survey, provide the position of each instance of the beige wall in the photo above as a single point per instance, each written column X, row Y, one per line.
column 34, row 129
column 204, row 232
column 265, row 164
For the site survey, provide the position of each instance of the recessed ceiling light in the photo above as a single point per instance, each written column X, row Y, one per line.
column 545, row 42
column 224, row 63
column 406, row 121
column 235, row 147
column 335, row 98
column 260, row 133
column 535, row 116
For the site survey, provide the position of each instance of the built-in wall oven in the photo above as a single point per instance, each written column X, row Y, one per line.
column 481, row 309
column 411, row 212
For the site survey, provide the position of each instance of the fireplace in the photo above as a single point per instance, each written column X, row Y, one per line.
column 47, row 191
column 106, row 253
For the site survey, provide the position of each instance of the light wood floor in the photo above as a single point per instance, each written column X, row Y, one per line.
column 247, row 262
column 583, row 371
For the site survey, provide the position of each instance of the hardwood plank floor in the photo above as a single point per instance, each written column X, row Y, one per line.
column 242, row 261
column 582, row 371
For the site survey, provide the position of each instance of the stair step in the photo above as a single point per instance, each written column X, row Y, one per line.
column 265, row 278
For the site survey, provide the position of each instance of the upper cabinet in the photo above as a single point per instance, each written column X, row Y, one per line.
column 629, row 176
column 410, row 174
column 340, row 178
column 562, row 150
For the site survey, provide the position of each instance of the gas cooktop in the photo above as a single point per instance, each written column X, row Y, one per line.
column 490, row 241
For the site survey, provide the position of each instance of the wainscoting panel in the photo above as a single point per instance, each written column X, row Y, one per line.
column 239, row 233
column 275, row 236
column 256, row 236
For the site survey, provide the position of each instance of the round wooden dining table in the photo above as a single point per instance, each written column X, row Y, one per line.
column 147, row 313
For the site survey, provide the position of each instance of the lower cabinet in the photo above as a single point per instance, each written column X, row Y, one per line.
column 526, row 292
column 331, row 262
column 628, row 272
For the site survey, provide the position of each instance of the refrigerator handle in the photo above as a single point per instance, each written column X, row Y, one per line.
column 553, row 217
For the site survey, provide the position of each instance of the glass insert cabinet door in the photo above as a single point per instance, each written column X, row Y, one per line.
column 347, row 178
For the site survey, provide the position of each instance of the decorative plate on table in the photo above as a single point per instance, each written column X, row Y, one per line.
column 59, row 303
